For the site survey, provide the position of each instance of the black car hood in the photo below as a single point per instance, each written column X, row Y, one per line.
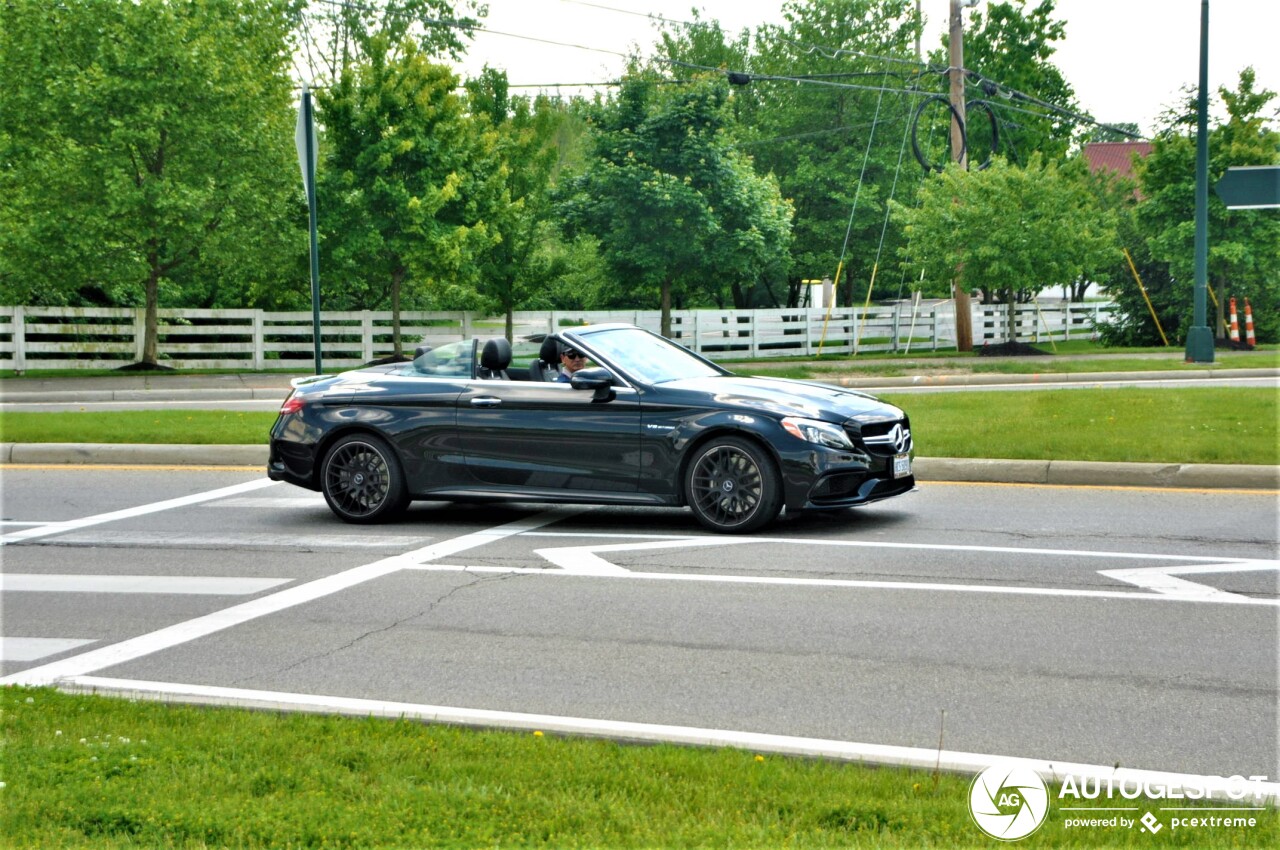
column 785, row 397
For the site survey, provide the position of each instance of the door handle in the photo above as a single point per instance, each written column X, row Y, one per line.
column 486, row 401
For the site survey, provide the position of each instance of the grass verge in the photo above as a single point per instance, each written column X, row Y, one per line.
column 1195, row 425
column 202, row 427
column 91, row 772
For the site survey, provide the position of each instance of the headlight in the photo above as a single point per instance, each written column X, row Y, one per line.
column 815, row 431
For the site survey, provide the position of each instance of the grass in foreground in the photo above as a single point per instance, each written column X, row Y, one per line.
column 1196, row 425
column 91, row 772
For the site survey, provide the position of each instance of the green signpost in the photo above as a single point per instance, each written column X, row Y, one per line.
column 305, row 138
column 1250, row 187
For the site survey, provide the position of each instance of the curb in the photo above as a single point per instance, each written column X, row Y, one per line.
column 981, row 379
column 1199, row 476
column 99, row 396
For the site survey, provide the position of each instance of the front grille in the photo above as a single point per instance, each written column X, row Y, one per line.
column 882, row 438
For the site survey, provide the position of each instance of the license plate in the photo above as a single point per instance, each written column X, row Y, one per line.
column 901, row 466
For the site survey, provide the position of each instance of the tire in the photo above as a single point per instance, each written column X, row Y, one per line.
column 362, row 480
column 733, row 486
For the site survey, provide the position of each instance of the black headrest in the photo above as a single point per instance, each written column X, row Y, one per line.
column 496, row 354
column 550, row 351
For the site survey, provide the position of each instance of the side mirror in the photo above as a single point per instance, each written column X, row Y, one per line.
column 596, row 378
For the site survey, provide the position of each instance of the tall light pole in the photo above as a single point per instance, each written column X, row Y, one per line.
column 955, row 42
column 1200, row 337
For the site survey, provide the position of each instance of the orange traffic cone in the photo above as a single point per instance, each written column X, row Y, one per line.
column 1249, row 340
column 1235, row 326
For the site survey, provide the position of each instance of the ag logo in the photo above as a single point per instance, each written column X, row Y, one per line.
column 1008, row 802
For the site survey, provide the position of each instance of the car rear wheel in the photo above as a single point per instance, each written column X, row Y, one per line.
column 362, row 480
column 733, row 486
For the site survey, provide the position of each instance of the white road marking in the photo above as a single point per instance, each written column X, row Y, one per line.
column 918, row 758
column 372, row 539
column 880, row 544
column 1165, row 579
column 851, row 584
column 583, row 560
column 32, row 649
column 127, row 513
column 190, row 630
column 186, row 585
column 280, row 502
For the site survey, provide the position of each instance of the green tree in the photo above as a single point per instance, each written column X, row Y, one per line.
column 411, row 184
column 335, row 34
column 520, row 264
column 1244, row 245
column 836, row 139
column 675, row 208
column 144, row 151
column 1002, row 229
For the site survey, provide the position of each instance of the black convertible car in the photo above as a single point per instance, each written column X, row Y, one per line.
column 647, row 423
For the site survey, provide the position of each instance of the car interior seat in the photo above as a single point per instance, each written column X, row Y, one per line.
column 545, row 368
column 494, row 360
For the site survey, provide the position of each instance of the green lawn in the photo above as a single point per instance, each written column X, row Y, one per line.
column 1196, row 425
column 92, row 772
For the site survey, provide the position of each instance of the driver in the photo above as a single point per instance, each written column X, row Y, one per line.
column 571, row 360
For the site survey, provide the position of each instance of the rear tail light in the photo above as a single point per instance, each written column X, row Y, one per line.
column 292, row 404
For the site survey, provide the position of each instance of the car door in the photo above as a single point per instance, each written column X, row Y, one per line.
column 550, row 438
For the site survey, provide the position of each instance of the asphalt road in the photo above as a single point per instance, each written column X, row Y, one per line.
column 1089, row 625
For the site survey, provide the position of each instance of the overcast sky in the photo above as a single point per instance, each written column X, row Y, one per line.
column 1126, row 59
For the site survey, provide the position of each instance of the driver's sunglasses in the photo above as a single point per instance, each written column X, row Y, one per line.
column 574, row 355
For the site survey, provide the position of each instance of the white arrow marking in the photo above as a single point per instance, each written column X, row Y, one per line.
column 583, row 560
column 1165, row 580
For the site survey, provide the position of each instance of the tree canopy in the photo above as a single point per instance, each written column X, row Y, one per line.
column 675, row 207
column 145, row 150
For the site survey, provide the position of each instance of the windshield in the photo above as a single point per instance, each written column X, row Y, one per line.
column 648, row 357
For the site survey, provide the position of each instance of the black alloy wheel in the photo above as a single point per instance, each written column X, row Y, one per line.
column 732, row 486
column 362, row 481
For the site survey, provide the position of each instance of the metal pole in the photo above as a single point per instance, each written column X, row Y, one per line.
column 1200, row 336
column 310, row 166
column 955, row 41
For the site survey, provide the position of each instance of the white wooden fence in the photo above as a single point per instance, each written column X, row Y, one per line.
column 108, row 337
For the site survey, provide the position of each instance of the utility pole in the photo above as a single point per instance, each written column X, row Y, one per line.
column 964, row 316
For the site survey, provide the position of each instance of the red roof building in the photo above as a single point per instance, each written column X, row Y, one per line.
column 1116, row 157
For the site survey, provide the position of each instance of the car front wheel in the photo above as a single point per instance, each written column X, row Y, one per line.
column 362, row 480
column 733, row 486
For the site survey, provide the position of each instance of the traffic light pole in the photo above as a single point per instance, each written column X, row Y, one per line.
column 1200, row 336
column 964, row 315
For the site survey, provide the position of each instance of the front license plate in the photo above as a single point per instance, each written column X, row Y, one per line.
column 901, row 466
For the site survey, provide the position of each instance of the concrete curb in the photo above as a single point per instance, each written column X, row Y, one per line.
column 1200, row 476
column 134, row 454
column 983, row 379
column 1205, row 476
column 190, row 394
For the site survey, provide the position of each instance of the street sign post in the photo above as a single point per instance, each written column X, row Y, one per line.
column 305, row 139
column 1250, row 187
